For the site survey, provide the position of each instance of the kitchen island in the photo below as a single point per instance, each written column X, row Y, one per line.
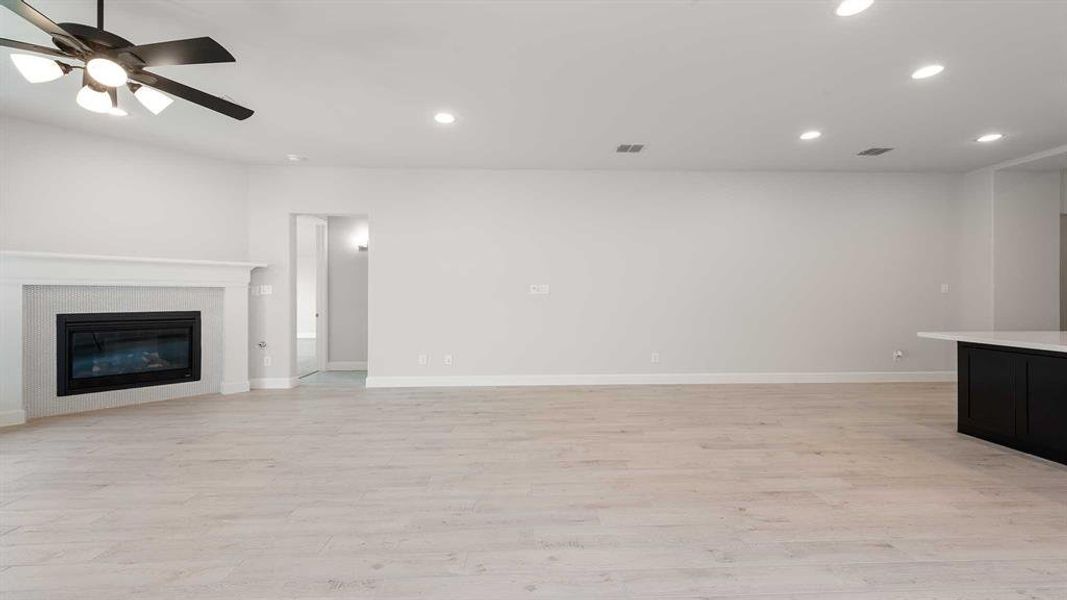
column 1013, row 388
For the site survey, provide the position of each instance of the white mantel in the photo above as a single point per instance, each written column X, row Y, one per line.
column 19, row 269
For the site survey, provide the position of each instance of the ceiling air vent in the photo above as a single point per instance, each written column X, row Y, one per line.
column 629, row 148
column 874, row 151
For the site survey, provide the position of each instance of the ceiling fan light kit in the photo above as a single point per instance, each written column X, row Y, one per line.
column 111, row 62
column 154, row 101
column 37, row 69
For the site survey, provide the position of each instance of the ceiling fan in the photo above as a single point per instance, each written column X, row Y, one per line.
column 111, row 62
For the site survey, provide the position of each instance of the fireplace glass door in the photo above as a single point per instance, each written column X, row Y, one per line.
column 113, row 351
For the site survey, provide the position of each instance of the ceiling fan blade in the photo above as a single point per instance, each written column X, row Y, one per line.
column 193, row 51
column 32, row 48
column 192, row 95
column 43, row 23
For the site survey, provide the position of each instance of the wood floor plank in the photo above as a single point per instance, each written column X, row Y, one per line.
column 787, row 492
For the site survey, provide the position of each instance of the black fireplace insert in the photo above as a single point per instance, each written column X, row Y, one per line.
column 97, row 352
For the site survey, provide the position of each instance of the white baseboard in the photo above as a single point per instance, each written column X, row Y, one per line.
column 658, row 379
column 234, row 387
column 12, row 417
column 346, row 365
column 273, row 383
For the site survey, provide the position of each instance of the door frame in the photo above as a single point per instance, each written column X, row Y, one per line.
column 322, row 290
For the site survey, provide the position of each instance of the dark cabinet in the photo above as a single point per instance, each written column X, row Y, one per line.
column 991, row 403
column 1047, row 403
column 1014, row 397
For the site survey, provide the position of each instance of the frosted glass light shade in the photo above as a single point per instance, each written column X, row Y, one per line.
column 155, row 101
column 92, row 100
column 37, row 69
column 106, row 72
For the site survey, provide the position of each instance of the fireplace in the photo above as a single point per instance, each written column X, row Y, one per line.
column 97, row 352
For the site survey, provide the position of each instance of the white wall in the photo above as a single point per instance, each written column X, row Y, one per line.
column 1063, row 250
column 1063, row 191
column 306, row 280
column 1026, row 250
column 64, row 191
column 973, row 254
column 717, row 272
column 348, row 290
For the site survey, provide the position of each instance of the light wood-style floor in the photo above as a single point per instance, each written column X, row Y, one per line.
column 847, row 492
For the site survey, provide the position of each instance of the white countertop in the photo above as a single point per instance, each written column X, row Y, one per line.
column 1051, row 341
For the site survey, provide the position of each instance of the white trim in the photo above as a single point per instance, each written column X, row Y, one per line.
column 128, row 259
column 11, row 418
column 234, row 387
column 658, row 379
column 305, row 335
column 346, row 365
column 274, row 383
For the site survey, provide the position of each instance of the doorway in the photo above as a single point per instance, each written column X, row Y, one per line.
column 331, row 256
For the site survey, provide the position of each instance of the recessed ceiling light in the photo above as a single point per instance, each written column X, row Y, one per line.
column 847, row 8
column 295, row 158
column 990, row 137
column 445, row 118
column 811, row 135
column 927, row 71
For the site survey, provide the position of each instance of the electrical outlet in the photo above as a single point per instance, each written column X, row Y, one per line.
column 539, row 289
column 266, row 290
column 944, row 288
column 424, row 360
column 448, row 360
column 655, row 358
column 266, row 361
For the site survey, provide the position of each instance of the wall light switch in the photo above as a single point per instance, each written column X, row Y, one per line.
column 944, row 288
column 266, row 290
column 424, row 360
column 448, row 360
column 539, row 289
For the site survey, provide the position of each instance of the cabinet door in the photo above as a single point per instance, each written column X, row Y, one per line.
column 990, row 401
column 1047, row 402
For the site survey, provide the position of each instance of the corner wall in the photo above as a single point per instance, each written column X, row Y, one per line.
column 1026, row 243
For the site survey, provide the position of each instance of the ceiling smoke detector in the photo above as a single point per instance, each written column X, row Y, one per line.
column 874, row 151
column 629, row 148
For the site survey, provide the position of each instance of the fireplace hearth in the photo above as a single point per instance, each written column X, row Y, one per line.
column 98, row 352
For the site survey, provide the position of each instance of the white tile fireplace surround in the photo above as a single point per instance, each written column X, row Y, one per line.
column 35, row 285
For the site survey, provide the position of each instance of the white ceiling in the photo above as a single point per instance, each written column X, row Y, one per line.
column 705, row 84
